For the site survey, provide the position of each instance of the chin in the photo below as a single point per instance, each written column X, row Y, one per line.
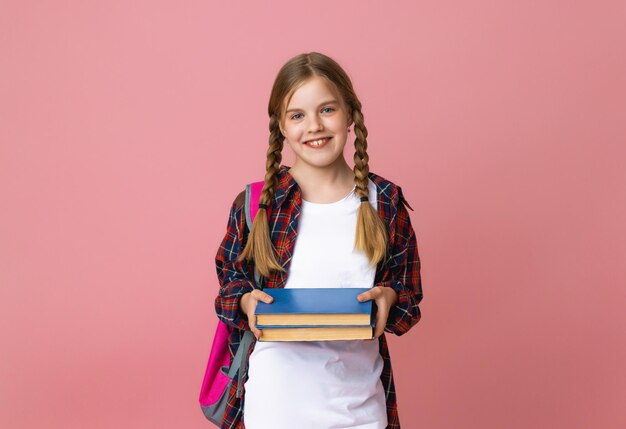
column 321, row 163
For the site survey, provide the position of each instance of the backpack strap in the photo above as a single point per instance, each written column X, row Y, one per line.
column 253, row 195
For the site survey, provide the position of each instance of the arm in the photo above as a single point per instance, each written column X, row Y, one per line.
column 235, row 278
column 404, row 276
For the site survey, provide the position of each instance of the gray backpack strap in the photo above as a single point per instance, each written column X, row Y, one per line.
column 240, row 361
column 242, row 358
column 249, row 220
column 247, row 206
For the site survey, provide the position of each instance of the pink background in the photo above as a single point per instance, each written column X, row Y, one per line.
column 127, row 128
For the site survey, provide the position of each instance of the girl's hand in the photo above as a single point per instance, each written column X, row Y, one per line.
column 248, row 303
column 385, row 298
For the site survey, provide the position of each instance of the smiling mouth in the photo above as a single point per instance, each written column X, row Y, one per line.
column 317, row 142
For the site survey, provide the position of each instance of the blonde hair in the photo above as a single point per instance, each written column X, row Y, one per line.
column 371, row 232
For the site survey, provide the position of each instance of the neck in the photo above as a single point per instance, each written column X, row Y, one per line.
column 331, row 175
column 323, row 183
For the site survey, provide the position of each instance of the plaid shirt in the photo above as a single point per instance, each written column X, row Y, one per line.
column 400, row 269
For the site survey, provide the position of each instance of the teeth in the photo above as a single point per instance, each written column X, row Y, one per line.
column 317, row 142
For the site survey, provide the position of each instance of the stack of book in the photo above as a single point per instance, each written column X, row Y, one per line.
column 315, row 314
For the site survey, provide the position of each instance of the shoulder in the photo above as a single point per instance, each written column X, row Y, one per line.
column 237, row 206
column 249, row 190
column 385, row 187
column 239, row 200
column 388, row 191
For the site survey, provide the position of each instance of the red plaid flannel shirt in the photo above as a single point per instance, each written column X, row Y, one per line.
column 399, row 270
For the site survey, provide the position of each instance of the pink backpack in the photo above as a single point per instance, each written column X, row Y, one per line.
column 221, row 370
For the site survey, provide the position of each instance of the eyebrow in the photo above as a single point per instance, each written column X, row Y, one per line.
column 321, row 104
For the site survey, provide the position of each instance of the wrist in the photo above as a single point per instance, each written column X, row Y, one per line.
column 243, row 301
column 391, row 294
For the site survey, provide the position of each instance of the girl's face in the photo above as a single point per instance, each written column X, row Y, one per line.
column 316, row 124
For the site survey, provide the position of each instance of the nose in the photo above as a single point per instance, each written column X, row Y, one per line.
column 315, row 124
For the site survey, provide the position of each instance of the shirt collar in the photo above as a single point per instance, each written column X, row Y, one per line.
column 286, row 182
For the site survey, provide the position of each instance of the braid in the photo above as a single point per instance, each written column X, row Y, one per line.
column 361, row 159
column 371, row 232
column 259, row 246
column 272, row 165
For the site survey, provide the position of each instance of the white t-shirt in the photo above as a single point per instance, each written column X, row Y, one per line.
column 320, row 384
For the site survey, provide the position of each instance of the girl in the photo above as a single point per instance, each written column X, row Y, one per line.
column 352, row 230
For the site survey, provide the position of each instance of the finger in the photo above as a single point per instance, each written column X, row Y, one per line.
column 373, row 293
column 252, row 316
column 366, row 296
column 381, row 321
column 253, row 327
column 259, row 295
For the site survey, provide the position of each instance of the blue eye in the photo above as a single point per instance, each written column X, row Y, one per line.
column 325, row 108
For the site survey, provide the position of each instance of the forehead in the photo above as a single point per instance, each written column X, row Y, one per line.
column 311, row 93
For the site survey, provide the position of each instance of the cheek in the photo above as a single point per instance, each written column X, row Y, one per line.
column 295, row 146
column 292, row 133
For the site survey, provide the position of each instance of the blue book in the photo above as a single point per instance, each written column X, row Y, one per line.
column 315, row 314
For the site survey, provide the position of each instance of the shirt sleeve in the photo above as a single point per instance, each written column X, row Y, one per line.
column 405, row 276
column 235, row 278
